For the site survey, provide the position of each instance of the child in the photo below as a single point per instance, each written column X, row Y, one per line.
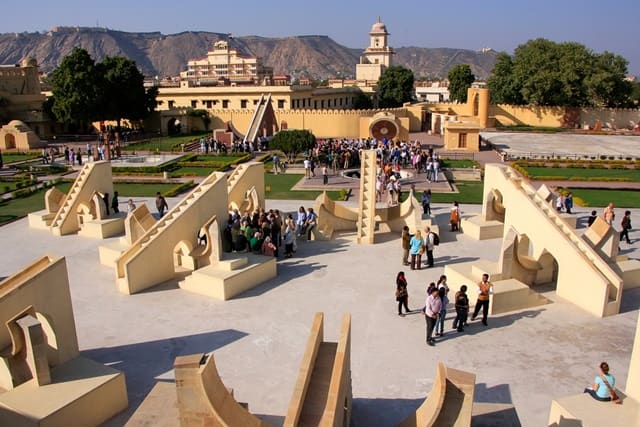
column 592, row 218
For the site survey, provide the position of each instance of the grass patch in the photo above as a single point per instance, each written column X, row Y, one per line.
column 18, row 157
column 580, row 173
column 525, row 128
column 130, row 189
column 469, row 192
column 459, row 164
column 167, row 143
column 599, row 197
column 18, row 208
column 21, row 207
column 192, row 171
column 279, row 187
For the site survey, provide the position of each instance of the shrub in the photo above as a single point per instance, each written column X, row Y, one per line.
column 179, row 189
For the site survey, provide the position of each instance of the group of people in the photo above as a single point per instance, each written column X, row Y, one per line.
column 437, row 302
column 417, row 245
column 265, row 232
column 609, row 215
column 210, row 145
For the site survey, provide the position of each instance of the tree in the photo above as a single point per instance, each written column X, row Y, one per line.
column 204, row 116
column 395, row 87
column 542, row 72
column 502, row 86
column 122, row 93
column 292, row 142
column 460, row 79
column 362, row 101
column 75, row 93
column 84, row 91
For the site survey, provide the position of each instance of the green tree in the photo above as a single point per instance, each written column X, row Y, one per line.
column 292, row 142
column 75, row 93
column 122, row 92
column 542, row 72
column 395, row 87
column 460, row 79
column 502, row 86
column 204, row 116
column 362, row 101
column 607, row 85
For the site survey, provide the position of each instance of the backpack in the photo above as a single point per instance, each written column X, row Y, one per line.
column 436, row 239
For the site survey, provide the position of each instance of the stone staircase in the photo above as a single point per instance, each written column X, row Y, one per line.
column 591, row 259
column 256, row 120
column 70, row 201
column 157, row 229
column 366, row 215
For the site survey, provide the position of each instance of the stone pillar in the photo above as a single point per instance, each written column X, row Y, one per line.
column 35, row 348
column 483, row 107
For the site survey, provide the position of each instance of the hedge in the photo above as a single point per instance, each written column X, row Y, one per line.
column 179, row 189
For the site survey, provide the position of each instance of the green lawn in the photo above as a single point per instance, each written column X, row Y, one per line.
column 18, row 208
column 130, row 189
column 624, row 198
column 459, row 164
column 279, row 187
column 18, row 157
column 191, row 171
column 166, row 143
column 469, row 192
column 7, row 186
column 577, row 173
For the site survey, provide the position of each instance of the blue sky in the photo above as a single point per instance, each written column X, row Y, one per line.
column 499, row 24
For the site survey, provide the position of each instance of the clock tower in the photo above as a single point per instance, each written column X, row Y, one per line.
column 377, row 56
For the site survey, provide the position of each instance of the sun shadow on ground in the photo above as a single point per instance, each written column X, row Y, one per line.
column 476, row 326
column 143, row 362
column 630, row 300
column 382, row 412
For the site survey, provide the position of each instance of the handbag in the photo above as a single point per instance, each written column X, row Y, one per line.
column 614, row 396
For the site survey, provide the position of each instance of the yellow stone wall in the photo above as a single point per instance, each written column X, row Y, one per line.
column 510, row 115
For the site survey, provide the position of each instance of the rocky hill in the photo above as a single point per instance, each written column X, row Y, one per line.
column 166, row 55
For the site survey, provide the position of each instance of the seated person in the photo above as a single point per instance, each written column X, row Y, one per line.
column 255, row 243
column 602, row 388
column 268, row 248
column 242, row 245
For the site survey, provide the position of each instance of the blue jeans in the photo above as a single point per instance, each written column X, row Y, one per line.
column 595, row 395
column 440, row 322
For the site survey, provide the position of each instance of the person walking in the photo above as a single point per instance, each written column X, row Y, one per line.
column 426, row 202
column 461, row 301
column 402, row 296
column 603, row 386
column 485, row 288
column 161, row 204
column 432, row 307
column 608, row 214
column 325, row 174
column 105, row 199
column 416, row 248
column 568, row 202
column 406, row 245
column 626, row 226
column 115, row 203
column 454, row 217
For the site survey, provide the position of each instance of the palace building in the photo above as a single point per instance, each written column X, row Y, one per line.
column 225, row 65
column 377, row 57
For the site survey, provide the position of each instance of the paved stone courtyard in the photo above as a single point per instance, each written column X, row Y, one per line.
column 523, row 358
column 560, row 144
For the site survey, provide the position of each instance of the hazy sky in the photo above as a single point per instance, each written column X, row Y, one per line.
column 499, row 24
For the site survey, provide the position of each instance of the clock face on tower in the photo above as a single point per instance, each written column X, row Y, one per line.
column 384, row 129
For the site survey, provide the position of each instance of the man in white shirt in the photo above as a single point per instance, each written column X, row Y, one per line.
column 307, row 168
column 429, row 244
column 432, row 307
